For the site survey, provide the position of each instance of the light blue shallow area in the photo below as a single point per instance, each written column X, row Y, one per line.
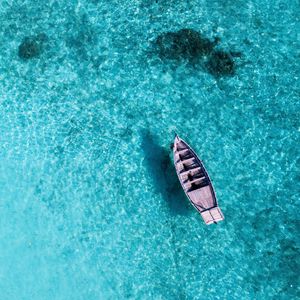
column 90, row 206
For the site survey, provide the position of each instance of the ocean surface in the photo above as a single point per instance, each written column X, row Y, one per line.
column 91, row 93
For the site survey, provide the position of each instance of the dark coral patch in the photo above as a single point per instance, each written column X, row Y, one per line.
column 185, row 43
column 190, row 45
column 31, row 46
column 221, row 64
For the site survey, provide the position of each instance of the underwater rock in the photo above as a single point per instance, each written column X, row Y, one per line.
column 185, row 43
column 190, row 45
column 31, row 46
column 221, row 63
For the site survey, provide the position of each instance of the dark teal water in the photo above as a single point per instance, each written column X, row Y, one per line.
column 90, row 95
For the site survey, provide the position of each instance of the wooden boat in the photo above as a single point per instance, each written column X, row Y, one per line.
column 196, row 182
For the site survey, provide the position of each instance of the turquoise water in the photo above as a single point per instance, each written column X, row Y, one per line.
column 91, row 94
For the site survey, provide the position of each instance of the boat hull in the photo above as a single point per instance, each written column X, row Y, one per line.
column 196, row 182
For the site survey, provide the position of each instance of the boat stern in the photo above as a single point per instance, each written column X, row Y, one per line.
column 213, row 215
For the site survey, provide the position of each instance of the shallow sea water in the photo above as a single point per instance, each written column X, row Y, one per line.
column 90, row 205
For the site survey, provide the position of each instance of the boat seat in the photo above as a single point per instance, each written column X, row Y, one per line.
column 185, row 172
column 188, row 164
column 191, row 185
column 185, row 168
column 184, row 157
column 182, row 151
column 181, row 147
column 199, row 174
column 187, row 160
column 198, row 184
column 197, row 180
column 191, row 166
column 192, row 175
column 185, row 154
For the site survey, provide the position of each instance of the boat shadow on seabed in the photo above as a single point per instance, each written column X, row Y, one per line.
column 160, row 165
